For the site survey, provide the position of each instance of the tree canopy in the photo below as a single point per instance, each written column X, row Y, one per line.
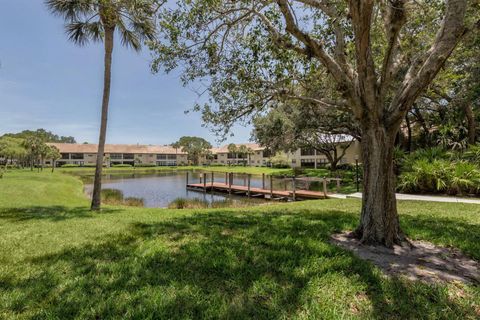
column 372, row 59
column 195, row 147
column 46, row 136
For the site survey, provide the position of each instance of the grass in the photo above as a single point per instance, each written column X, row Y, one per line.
column 59, row 261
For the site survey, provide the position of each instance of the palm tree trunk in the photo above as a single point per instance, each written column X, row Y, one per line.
column 97, row 183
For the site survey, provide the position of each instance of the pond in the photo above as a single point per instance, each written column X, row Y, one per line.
column 158, row 190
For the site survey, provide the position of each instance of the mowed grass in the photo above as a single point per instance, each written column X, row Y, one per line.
column 59, row 261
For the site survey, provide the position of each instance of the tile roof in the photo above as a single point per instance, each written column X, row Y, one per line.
column 224, row 149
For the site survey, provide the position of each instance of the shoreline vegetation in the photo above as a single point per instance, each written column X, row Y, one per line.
column 253, row 262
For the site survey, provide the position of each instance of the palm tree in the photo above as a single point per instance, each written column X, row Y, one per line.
column 97, row 21
column 232, row 149
column 53, row 154
column 33, row 144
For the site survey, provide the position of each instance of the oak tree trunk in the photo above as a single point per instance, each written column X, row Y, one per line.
column 379, row 223
column 97, row 183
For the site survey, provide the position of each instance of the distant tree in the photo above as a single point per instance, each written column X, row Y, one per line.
column 97, row 20
column 43, row 134
column 34, row 146
column 289, row 128
column 245, row 152
column 12, row 148
column 195, row 147
column 232, row 149
column 53, row 154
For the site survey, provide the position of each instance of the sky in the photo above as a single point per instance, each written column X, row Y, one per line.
column 48, row 82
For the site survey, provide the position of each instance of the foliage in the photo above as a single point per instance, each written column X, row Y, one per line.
column 116, row 197
column 279, row 161
column 440, row 176
column 43, row 134
column 195, row 147
column 70, row 165
column 121, row 165
column 288, row 128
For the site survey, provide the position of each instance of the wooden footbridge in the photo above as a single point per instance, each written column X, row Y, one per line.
column 207, row 183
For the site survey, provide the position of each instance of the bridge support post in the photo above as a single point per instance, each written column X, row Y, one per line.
column 293, row 189
column 204, row 182
column 324, row 187
column 271, row 187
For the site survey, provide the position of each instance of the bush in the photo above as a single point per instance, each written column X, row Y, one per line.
column 144, row 165
column 121, row 165
column 115, row 197
column 441, row 176
column 182, row 203
column 279, row 162
column 112, row 195
column 69, row 165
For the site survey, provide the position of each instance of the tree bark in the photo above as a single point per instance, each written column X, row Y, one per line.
column 97, row 183
column 379, row 222
column 471, row 125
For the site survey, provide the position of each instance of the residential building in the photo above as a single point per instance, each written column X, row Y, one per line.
column 86, row 155
column 261, row 156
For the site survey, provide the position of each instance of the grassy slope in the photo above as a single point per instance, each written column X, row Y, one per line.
column 57, row 260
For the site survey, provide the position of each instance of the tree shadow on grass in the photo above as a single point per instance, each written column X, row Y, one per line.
column 222, row 265
column 450, row 231
column 52, row 213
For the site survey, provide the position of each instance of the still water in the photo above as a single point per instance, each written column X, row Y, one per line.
column 159, row 189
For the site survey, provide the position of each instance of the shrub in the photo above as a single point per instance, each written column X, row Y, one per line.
column 69, row 165
column 145, row 165
column 279, row 162
column 121, row 165
column 472, row 154
column 112, row 196
column 441, row 176
column 133, row 202
column 182, row 203
column 115, row 197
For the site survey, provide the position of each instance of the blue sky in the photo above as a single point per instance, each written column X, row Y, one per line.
column 48, row 82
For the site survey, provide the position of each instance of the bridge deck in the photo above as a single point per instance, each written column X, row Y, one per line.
column 223, row 187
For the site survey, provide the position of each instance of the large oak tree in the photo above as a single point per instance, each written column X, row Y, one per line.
column 379, row 55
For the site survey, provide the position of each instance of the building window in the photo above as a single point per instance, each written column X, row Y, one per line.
column 128, row 156
column 65, row 156
column 267, row 153
column 307, row 152
column 76, row 156
column 171, row 157
column 116, row 156
column 231, row 155
column 161, row 157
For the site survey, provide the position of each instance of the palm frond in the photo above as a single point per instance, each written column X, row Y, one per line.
column 82, row 33
column 72, row 10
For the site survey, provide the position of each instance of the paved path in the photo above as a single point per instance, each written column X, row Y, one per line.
column 402, row 196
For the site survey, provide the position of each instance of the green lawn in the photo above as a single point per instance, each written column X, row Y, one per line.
column 59, row 261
